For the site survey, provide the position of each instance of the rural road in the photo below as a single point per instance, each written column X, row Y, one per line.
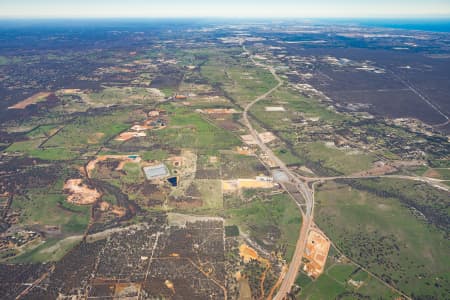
column 300, row 185
column 307, row 193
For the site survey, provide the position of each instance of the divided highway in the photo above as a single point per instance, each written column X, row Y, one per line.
column 300, row 185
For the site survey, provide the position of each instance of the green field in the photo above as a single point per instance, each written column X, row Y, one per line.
column 235, row 166
column 126, row 95
column 44, row 208
column 40, row 207
column 274, row 222
column 294, row 104
column 342, row 161
column 431, row 202
column 90, row 131
column 188, row 129
column 238, row 77
column 50, row 250
column 211, row 192
column 342, row 280
column 386, row 237
column 85, row 133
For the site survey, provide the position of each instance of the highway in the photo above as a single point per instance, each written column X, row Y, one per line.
column 294, row 179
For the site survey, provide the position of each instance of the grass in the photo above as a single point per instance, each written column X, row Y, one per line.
column 341, row 272
column 133, row 173
column 238, row 77
column 288, row 156
column 30, row 148
column 342, row 161
column 211, row 191
column 293, row 104
column 89, row 131
column 431, row 202
column 235, row 166
column 85, row 133
column 168, row 91
column 276, row 217
column 125, row 95
column 157, row 154
column 444, row 173
column 334, row 282
column 188, row 129
column 46, row 208
column 51, row 250
column 383, row 235
column 323, row 288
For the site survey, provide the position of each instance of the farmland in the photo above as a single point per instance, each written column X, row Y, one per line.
column 380, row 233
column 129, row 167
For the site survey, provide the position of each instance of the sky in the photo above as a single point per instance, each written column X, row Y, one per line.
column 224, row 8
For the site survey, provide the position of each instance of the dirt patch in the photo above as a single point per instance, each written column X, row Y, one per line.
column 221, row 111
column 30, row 100
column 95, row 138
column 80, row 193
column 230, row 186
column 379, row 168
column 125, row 136
column 123, row 158
column 119, row 211
column 432, row 174
column 274, row 108
column 266, row 137
column 245, row 150
column 104, row 206
column 316, row 252
column 127, row 290
column 248, row 253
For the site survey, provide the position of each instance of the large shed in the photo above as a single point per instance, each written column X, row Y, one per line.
column 156, row 172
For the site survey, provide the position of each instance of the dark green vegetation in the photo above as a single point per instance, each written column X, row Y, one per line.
column 385, row 235
column 231, row 230
column 425, row 202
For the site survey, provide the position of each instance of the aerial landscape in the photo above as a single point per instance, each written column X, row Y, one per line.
column 197, row 157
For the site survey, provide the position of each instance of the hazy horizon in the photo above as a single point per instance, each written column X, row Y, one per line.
column 50, row 9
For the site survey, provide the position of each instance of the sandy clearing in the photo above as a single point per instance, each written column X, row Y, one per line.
column 229, row 186
column 30, row 100
column 266, row 137
column 274, row 109
column 80, row 193
column 126, row 158
column 317, row 247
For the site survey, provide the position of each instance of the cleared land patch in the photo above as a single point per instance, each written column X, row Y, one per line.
column 80, row 193
column 31, row 100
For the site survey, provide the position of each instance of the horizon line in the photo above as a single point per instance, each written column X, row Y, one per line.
column 250, row 17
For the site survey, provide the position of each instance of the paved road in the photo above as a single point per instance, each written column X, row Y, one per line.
column 437, row 183
column 300, row 185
